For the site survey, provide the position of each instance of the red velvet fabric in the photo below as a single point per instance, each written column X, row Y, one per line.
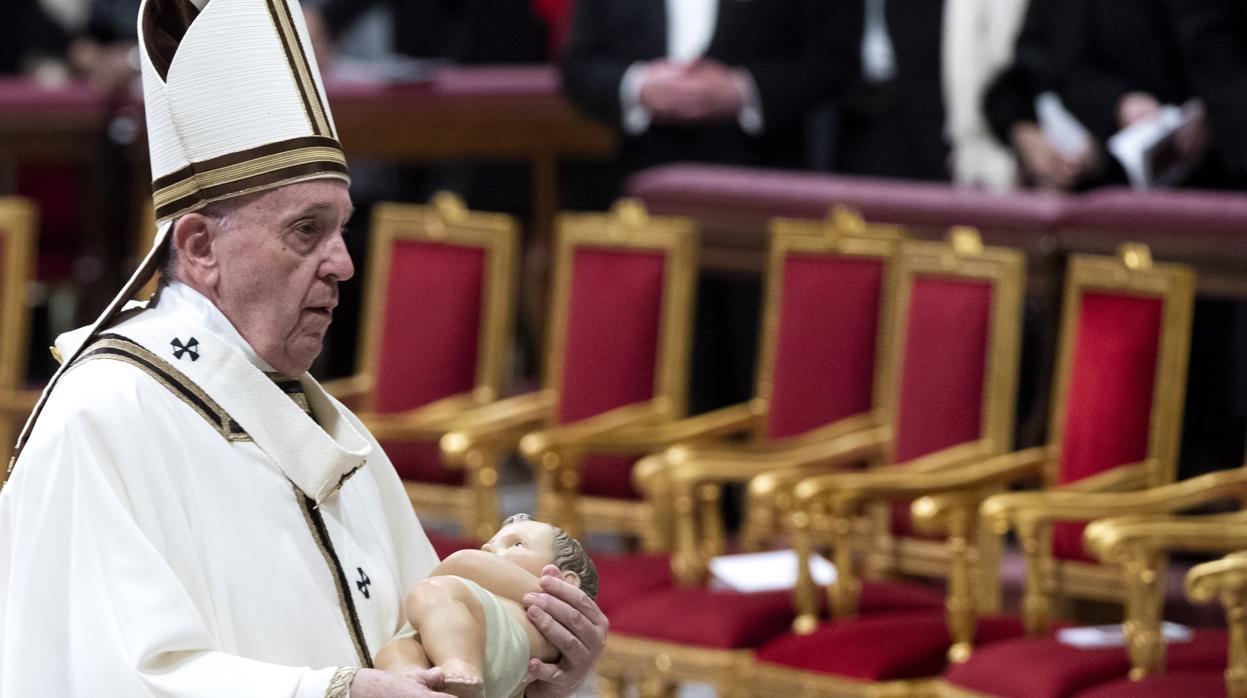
column 421, row 461
column 1108, row 410
column 444, row 544
column 1042, row 667
column 61, row 192
column 901, row 644
column 608, row 476
column 706, row 617
column 1204, row 684
column 941, row 397
column 825, row 345
column 613, row 318
column 624, row 579
column 431, row 328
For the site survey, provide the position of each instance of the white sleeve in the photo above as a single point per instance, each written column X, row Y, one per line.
column 634, row 116
column 88, row 606
column 750, row 115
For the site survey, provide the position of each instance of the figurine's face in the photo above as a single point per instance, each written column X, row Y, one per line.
column 529, row 544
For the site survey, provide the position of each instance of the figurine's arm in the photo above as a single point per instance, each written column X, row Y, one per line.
column 497, row 575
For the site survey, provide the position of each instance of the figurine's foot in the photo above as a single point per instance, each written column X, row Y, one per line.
column 461, row 680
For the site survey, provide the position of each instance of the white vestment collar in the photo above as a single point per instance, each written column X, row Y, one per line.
column 317, row 455
column 178, row 297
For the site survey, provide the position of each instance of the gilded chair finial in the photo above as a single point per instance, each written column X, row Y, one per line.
column 1135, row 255
column 450, row 206
column 846, row 220
column 965, row 240
column 630, row 213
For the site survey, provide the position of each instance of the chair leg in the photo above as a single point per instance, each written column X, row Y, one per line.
column 655, row 686
column 610, row 686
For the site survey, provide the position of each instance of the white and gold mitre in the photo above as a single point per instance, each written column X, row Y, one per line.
column 234, row 101
column 234, row 105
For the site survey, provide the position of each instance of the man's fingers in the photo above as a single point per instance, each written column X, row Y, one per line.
column 541, row 671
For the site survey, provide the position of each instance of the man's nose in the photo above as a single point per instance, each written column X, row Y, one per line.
column 338, row 262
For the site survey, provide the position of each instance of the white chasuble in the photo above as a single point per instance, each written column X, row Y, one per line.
column 177, row 526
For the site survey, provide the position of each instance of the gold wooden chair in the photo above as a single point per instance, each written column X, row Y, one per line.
column 949, row 377
column 1137, row 541
column 617, row 358
column 18, row 230
column 434, row 343
column 1117, row 401
column 828, row 292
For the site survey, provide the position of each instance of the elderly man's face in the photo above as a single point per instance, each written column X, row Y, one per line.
column 281, row 257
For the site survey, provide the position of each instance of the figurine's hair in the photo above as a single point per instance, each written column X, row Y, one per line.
column 569, row 556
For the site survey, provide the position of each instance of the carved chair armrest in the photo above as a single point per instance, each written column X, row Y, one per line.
column 496, row 424
column 651, row 437
column 692, row 465
column 1224, row 579
column 599, row 428
column 1122, row 538
column 428, row 421
column 350, row 389
column 964, row 467
column 1077, row 504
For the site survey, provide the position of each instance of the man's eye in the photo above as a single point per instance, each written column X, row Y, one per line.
column 517, row 544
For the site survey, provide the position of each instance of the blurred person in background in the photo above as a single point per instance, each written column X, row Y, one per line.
column 892, row 124
column 1042, row 53
column 707, row 80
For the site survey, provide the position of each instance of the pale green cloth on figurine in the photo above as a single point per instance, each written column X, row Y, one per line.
column 506, row 646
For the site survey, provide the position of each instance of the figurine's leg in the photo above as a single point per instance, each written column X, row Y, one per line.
column 403, row 653
column 451, row 624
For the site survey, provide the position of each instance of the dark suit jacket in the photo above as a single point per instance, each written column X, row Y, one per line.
column 466, row 31
column 896, row 129
column 791, row 47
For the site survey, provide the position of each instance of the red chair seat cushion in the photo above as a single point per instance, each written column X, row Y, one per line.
column 420, row 461
column 624, row 579
column 1043, row 667
column 880, row 647
column 1205, row 684
column 706, row 617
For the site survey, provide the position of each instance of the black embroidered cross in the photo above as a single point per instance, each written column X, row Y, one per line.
column 363, row 583
column 191, row 347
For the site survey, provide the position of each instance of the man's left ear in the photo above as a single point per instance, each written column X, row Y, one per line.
column 571, row 578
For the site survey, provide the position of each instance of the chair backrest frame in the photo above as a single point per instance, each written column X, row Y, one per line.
column 964, row 258
column 629, row 227
column 1131, row 273
column 18, row 230
column 825, row 238
column 447, row 221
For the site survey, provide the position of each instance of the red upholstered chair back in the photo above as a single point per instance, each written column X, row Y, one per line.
column 439, row 303
column 828, row 294
column 620, row 311
column 958, row 323
column 1121, row 372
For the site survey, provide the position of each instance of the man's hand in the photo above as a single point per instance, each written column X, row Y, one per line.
column 704, row 90
column 1135, row 107
column 1043, row 163
column 573, row 623
column 414, row 683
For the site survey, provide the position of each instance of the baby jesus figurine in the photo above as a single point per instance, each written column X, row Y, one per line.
column 469, row 617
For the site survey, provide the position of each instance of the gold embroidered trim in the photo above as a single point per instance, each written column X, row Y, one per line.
column 243, row 170
column 118, row 348
column 316, row 525
column 340, row 684
column 299, row 64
